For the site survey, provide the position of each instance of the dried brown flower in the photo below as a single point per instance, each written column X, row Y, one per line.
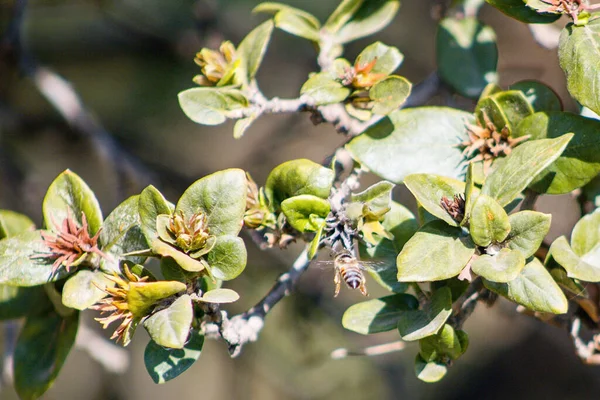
column 360, row 76
column 455, row 207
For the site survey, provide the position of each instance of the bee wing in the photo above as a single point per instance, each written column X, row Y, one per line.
column 326, row 264
column 375, row 265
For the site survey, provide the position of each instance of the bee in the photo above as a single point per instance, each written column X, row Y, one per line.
column 351, row 270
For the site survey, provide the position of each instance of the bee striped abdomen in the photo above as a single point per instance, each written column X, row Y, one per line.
column 352, row 276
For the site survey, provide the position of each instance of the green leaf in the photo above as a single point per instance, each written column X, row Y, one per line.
column 389, row 94
column 210, row 106
column 170, row 327
column 122, row 231
column 437, row 251
column 151, row 204
column 292, row 20
column 17, row 302
column 378, row 196
column 586, row 234
column 524, row 163
column 411, row 141
column 401, row 223
column 504, row 109
column 12, row 223
column 378, row 315
column 68, row 195
column 446, row 343
column 470, row 192
column 228, row 258
column 580, row 161
column 534, row 288
column 164, row 364
column 467, row 55
column 242, row 125
column 501, row 267
column 220, row 296
column 429, row 189
column 83, row 289
column 252, row 50
column 580, row 59
column 388, row 58
column 371, row 17
column 540, row 96
column 518, row 10
column 324, row 88
column 489, row 222
column 22, row 264
column 42, row 347
column 528, row 230
column 306, row 213
column 143, row 295
column 297, row 177
column 221, row 196
column 342, row 14
column 417, row 324
column 429, row 372
column 586, row 268
column 183, row 260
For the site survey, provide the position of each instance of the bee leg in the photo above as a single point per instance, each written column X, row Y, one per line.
column 337, row 280
column 363, row 287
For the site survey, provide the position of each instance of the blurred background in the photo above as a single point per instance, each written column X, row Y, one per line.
column 127, row 60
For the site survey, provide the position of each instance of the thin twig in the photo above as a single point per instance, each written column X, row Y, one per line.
column 377, row 350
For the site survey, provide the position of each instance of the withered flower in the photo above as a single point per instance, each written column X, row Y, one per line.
column 72, row 245
column 488, row 142
column 257, row 213
column 191, row 235
column 116, row 304
column 215, row 65
column 570, row 7
column 455, row 207
column 360, row 76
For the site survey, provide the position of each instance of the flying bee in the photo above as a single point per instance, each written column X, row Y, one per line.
column 351, row 270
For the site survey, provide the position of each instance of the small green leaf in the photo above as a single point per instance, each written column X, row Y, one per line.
column 292, row 20
column 151, row 204
column 388, row 58
column 69, row 196
column 122, row 232
column 342, row 14
column 242, row 125
column 470, row 192
column 84, row 289
column 489, row 222
column 17, row 302
column 252, row 50
column 436, row 252
column 379, row 315
column 389, row 94
column 183, row 260
column 170, row 327
column 164, row 364
column 378, row 196
column 445, row 343
column 524, row 163
column 505, row 110
column 324, row 88
column 22, row 261
column 528, row 230
column 371, row 17
column 220, row 296
column 143, row 295
column 467, row 55
column 12, row 223
column 297, row 177
column 540, row 96
column 42, row 348
column 518, row 10
column 534, row 288
column 586, row 268
column 305, row 213
column 501, row 267
column 411, row 141
column 429, row 372
column 221, row 196
column 579, row 59
column 210, row 106
column 586, row 234
column 228, row 258
column 417, row 324
column 580, row 161
column 429, row 189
